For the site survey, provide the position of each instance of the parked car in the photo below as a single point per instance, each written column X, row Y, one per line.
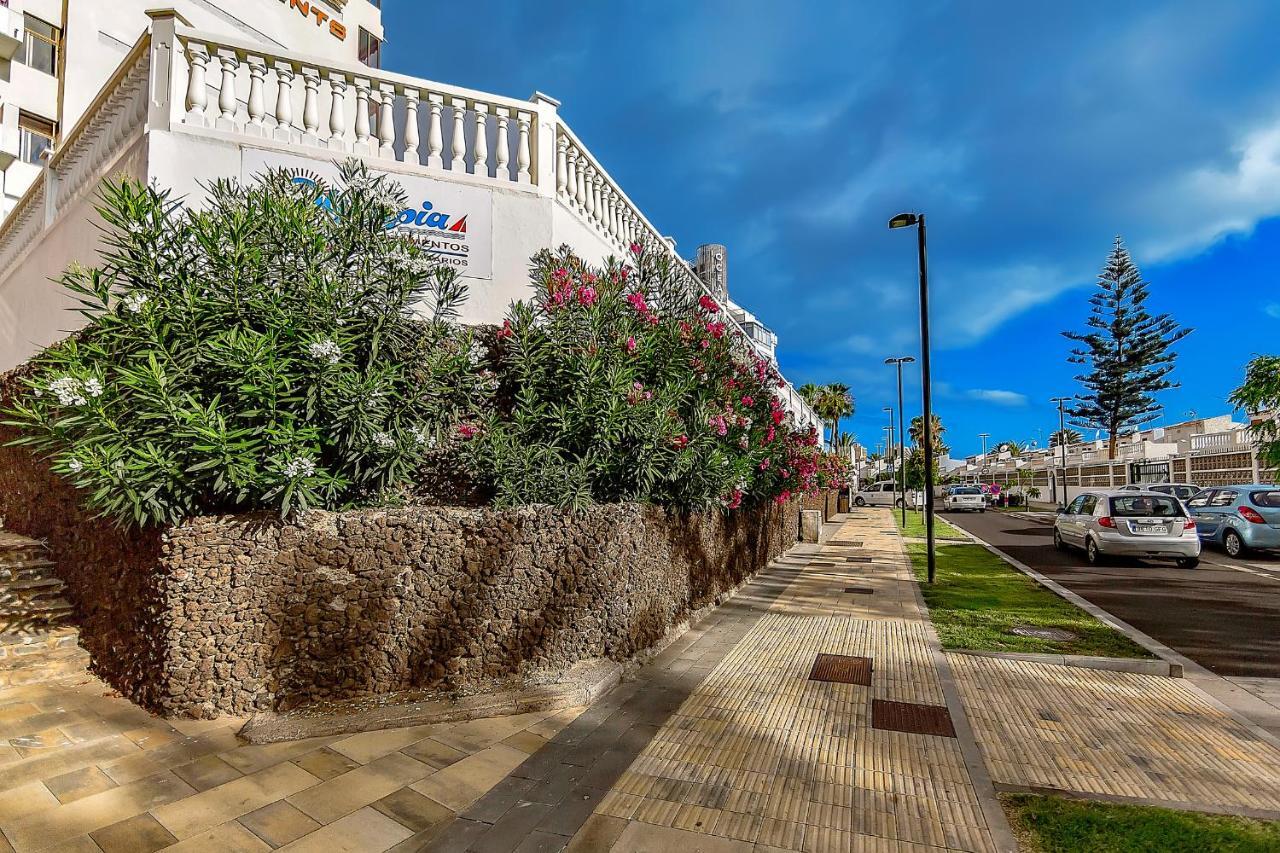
column 1238, row 517
column 959, row 498
column 1181, row 491
column 1128, row 524
column 878, row 494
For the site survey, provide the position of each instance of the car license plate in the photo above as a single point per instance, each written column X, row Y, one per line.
column 1149, row 528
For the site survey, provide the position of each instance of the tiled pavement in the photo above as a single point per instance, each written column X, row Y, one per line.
column 723, row 744
column 1116, row 734
column 83, row 770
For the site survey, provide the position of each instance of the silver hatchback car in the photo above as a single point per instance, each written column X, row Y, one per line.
column 1128, row 524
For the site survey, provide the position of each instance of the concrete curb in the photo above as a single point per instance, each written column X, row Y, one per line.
column 1137, row 666
column 1178, row 805
column 1258, row 716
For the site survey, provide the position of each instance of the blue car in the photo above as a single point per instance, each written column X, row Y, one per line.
column 1238, row 518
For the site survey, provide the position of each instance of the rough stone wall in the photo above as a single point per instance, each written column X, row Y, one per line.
column 259, row 613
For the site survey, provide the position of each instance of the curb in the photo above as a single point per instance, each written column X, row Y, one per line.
column 1115, row 799
column 1136, row 666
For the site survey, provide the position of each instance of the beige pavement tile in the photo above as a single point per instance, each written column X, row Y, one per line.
column 24, row 801
column 599, row 833
column 250, row 759
column 646, row 838
column 363, row 831
column 233, row 799
column 525, row 741
column 153, row 736
column 139, row 834
column 65, row 760
column 141, row 764
column 224, row 838
column 96, row 811
column 324, row 763
column 279, row 823
column 344, row 794
column 413, row 810
column 435, row 753
column 208, row 772
column 366, row 746
column 78, row 784
column 78, row 844
column 459, row 785
column 551, row 726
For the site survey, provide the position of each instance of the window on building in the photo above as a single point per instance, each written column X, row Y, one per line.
column 40, row 45
column 370, row 49
column 35, row 136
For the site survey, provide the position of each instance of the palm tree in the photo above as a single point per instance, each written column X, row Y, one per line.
column 1015, row 447
column 916, row 431
column 832, row 402
column 1068, row 436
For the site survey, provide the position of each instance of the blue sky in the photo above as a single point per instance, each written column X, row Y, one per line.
column 791, row 132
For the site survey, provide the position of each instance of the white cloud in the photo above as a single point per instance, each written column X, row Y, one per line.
column 998, row 397
column 1273, row 310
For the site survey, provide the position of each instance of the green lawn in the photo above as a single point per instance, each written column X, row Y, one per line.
column 915, row 526
column 977, row 598
column 1059, row 825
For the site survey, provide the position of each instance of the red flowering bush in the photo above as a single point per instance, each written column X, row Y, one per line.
column 627, row 383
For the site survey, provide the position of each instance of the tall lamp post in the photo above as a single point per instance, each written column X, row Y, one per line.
column 889, row 451
column 902, row 444
column 906, row 220
column 1062, row 442
column 984, row 436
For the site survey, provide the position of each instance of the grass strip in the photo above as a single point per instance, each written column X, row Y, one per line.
column 977, row 599
column 915, row 526
column 1062, row 825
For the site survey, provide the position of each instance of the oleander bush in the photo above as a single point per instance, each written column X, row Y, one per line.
column 261, row 351
column 627, row 383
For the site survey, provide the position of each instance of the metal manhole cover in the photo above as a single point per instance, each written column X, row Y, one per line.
column 842, row 669
column 859, row 590
column 1056, row 634
column 822, row 564
column 911, row 718
column 857, row 559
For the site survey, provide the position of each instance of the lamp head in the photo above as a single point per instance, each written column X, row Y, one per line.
column 904, row 220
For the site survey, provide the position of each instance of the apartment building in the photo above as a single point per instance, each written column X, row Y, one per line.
column 56, row 55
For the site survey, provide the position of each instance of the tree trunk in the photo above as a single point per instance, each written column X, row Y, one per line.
column 1111, row 444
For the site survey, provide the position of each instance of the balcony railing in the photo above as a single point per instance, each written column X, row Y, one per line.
column 184, row 80
column 1218, row 442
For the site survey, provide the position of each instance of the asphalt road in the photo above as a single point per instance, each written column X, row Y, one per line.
column 1224, row 615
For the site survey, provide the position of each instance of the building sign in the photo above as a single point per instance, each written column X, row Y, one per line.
column 451, row 221
column 309, row 10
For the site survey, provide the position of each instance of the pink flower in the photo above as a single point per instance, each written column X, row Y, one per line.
column 631, row 344
column 716, row 330
column 636, row 248
column 709, row 304
column 680, row 441
column 467, row 430
column 764, row 464
column 587, row 296
column 637, row 302
column 506, row 331
column 748, row 401
column 784, row 496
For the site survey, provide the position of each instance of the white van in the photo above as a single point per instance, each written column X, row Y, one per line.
column 877, row 494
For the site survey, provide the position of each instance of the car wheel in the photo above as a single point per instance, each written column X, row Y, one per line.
column 1057, row 540
column 899, row 503
column 982, row 510
column 1232, row 543
column 1187, row 562
column 1092, row 554
column 859, row 501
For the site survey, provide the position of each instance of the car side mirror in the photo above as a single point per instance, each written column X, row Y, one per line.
column 1062, row 510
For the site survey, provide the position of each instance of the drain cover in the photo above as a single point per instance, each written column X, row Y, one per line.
column 823, row 565
column 1043, row 633
column 842, row 669
column 857, row 559
column 911, row 718
column 860, row 590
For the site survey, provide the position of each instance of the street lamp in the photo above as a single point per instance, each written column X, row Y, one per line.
column 1062, row 442
column 984, row 436
column 902, row 450
column 906, row 220
column 889, row 451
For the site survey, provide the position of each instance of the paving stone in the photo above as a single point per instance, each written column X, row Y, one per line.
column 139, row 834
column 364, row 831
column 341, row 795
column 457, row 837
column 500, row 799
column 599, row 833
column 512, row 828
column 324, row 763
column 413, row 810
column 542, row 842
column 230, row 800
column 434, row 753
column 207, row 772
column 278, row 823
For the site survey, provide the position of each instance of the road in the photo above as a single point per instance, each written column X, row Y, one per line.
column 1224, row 615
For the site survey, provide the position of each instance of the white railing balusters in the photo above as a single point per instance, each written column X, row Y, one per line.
column 458, row 150
column 311, row 107
column 337, row 121
column 523, row 158
column 362, row 117
column 197, row 85
column 284, row 131
column 502, row 148
column 257, row 109
column 480, row 149
column 411, row 127
column 562, row 169
column 435, row 139
column 387, row 121
column 227, row 91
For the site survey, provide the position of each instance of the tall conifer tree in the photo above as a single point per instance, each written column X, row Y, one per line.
column 1128, row 352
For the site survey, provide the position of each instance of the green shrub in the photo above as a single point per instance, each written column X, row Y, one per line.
column 626, row 383
column 258, row 352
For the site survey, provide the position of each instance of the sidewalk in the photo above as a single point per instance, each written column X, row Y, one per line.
column 725, row 744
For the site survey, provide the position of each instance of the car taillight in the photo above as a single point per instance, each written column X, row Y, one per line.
column 1107, row 521
column 1251, row 515
column 1189, row 524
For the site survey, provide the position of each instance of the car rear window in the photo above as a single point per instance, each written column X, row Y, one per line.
column 1270, row 498
column 1185, row 492
column 967, row 491
column 1146, row 505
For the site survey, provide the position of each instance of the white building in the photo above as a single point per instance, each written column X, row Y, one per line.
column 56, row 54
column 191, row 97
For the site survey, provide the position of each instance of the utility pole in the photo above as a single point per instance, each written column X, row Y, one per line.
column 1062, row 443
column 902, row 432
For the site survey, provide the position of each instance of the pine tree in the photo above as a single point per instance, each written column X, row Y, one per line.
column 1128, row 352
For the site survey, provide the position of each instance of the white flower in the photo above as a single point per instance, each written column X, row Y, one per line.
column 299, row 467
column 93, row 387
column 74, row 466
column 134, row 301
column 325, row 350
column 384, row 440
column 422, row 437
column 477, row 352
column 68, row 391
